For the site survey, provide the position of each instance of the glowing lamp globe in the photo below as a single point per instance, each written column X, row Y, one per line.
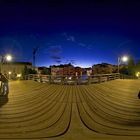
column 8, row 57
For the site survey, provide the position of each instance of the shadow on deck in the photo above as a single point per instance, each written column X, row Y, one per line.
column 3, row 100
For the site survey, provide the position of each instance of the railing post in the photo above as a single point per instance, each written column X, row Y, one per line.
column 40, row 78
column 108, row 78
column 49, row 79
column 119, row 75
column 62, row 80
column 99, row 78
column 89, row 80
column 115, row 77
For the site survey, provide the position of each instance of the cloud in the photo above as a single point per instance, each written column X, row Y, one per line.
column 82, row 44
column 124, row 43
column 56, row 57
column 89, row 47
column 58, row 61
column 55, row 53
column 52, row 49
column 57, row 49
column 72, row 61
column 69, row 38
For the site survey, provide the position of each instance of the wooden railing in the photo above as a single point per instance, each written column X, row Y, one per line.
column 122, row 76
column 76, row 80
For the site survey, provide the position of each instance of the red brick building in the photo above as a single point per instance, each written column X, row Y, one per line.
column 66, row 69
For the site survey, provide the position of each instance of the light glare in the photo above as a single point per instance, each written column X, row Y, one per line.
column 8, row 57
column 124, row 58
column 9, row 72
column 18, row 75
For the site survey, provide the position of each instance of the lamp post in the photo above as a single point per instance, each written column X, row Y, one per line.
column 121, row 59
column 3, row 59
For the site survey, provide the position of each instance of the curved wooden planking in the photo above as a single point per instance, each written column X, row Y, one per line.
column 104, row 114
column 43, row 117
column 35, row 111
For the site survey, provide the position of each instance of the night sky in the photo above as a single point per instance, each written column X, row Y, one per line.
column 82, row 33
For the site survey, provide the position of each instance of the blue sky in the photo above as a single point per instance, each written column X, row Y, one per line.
column 82, row 32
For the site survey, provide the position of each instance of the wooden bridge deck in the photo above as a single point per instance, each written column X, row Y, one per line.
column 34, row 110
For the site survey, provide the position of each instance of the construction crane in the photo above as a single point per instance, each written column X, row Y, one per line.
column 34, row 56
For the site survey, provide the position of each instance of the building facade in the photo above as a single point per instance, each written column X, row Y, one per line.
column 102, row 68
column 63, row 70
column 14, row 69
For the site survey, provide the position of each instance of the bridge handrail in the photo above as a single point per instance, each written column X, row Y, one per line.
column 72, row 79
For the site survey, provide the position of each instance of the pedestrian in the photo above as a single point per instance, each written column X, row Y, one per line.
column 4, row 84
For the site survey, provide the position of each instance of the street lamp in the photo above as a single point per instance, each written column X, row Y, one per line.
column 3, row 59
column 8, row 57
column 121, row 59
